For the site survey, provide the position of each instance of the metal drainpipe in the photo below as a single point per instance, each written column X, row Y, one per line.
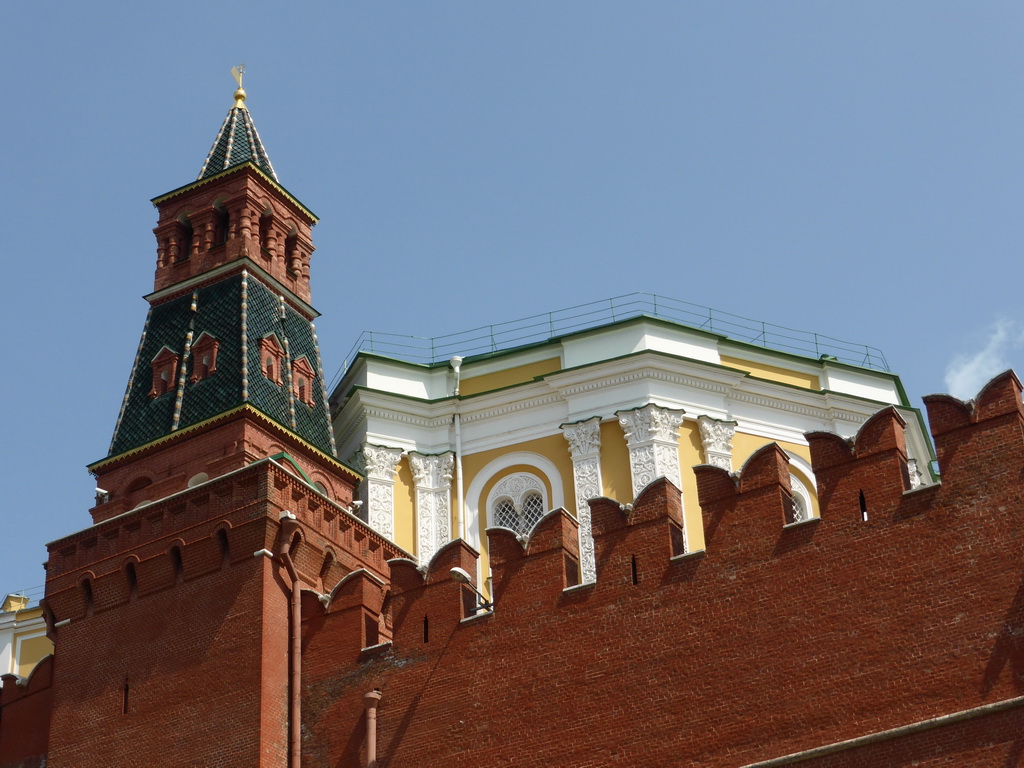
column 288, row 526
column 456, row 363
column 370, row 702
column 458, row 470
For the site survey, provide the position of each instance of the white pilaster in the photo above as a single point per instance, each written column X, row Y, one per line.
column 652, row 434
column 433, row 477
column 584, row 446
column 716, row 436
column 380, row 465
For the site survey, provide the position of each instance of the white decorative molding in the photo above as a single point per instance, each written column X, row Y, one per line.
column 652, row 434
column 405, row 418
column 716, row 436
column 644, row 375
column 380, row 463
column 522, row 405
column 584, row 446
column 433, row 477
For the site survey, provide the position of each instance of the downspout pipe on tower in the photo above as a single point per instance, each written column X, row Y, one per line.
column 289, row 525
column 370, row 702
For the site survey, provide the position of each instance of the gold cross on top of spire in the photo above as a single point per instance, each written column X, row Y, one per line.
column 237, row 72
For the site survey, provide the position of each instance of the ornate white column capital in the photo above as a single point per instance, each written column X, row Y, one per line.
column 432, row 471
column 652, row 434
column 716, row 436
column 380, row 464
column 433, row 476
column 651, row 423
column 584, row 438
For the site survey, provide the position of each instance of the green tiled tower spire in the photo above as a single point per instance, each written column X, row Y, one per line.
column 229, row 326
column 237, row 142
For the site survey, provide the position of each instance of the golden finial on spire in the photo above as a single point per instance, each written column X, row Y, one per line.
column 237, row 72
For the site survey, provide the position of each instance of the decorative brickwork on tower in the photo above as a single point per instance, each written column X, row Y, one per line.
column 221, row 497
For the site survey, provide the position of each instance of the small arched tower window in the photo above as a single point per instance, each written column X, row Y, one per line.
column 87, row 596
column 164, row 367
column 291, row 253
column 518, row 501
column 186, row 237
column 177, row 564
column 204, row 357
column 221, row 223
column 132, row 577
column 225, row 549
column 271, row 357
column 302, row 381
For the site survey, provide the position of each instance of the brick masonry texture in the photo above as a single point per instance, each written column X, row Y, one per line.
column 887, row 632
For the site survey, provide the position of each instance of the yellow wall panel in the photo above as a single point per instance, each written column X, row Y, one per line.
column 691, row 453
column 774, row 373
column 615, row 476
column 30, row 652
column 744, row 445
column 508, row 377
column 405, row 508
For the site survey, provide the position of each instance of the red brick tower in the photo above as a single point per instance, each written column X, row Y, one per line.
column 175, row 612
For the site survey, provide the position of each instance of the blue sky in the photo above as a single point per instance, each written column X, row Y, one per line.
column 853, row 169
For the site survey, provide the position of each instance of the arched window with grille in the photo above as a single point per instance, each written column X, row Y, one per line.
column 517, row 502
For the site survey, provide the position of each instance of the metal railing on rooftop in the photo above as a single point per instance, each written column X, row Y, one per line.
column 549, row 325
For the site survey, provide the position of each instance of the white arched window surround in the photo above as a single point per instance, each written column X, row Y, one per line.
column 545, row 470
column 801, row 494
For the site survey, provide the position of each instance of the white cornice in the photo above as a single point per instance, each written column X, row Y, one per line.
column 535, row 409
column 470, row 416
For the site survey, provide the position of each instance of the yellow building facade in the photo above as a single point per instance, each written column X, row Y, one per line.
column 23, row 640
column 451, row 447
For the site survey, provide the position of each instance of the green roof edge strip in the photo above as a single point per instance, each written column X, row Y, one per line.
column 288, row 457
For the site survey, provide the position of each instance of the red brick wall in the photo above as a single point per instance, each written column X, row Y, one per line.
column 25, row 717
column 776, row 640
column 204, row 653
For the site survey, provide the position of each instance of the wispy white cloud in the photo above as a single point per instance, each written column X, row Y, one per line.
column 967, row 373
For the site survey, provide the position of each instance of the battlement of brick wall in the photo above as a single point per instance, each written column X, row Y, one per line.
column 858, row 630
